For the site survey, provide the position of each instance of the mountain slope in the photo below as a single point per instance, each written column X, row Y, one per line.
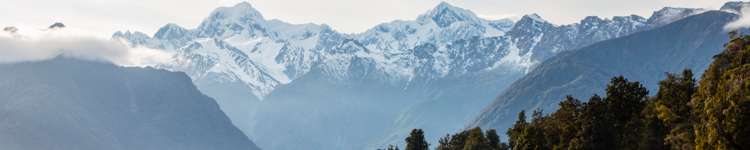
column 685, row 44
column 73, row 104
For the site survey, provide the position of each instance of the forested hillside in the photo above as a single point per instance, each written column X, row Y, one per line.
column 712, row 113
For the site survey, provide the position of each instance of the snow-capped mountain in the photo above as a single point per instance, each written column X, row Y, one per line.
column 670, row 14
column 689, row 43
column 441, row 25
column 237, row 44
column 734, row 7
column 446, row 57
column 265, row 54
column 240, row 44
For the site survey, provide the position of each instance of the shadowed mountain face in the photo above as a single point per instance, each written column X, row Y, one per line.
column 645, row 56
column 72, row 104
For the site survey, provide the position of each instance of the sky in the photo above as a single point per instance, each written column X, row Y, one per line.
column 104, row 17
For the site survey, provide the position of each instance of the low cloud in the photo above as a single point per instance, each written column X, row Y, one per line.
column 43, row 44
column 742, row 22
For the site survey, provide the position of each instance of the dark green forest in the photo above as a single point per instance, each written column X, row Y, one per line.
column 685, row 114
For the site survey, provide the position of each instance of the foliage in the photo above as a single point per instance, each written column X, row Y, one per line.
column 472, row 139
column 671, row 108
column 416, row 141
column 721, row 105
column 682, row 115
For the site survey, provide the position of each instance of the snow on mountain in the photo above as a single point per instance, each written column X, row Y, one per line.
column 137, row 39
column 241, row 19
column 398, row 41
column 283, row 51
column 670, row 14
column 445, row 15
column 172, row 36
column 234, row 43
column 539, row 39
column 427, row 56
column 734, row 7
column 685, row 44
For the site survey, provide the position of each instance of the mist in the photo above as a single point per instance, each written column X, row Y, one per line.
column 742, row 22
column 44, row 44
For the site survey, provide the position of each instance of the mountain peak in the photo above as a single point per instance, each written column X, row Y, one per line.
column 10, row 29
column 592, row 19
column 236, row 19
column 667, row 15
column 445, row 5
column 445, row 14
column 735, row 6
column 532, row 17
column 57, row 25
column 244, row 4
column 171, row 25
column 673, row 10
column 170, row 30
column 238, row 11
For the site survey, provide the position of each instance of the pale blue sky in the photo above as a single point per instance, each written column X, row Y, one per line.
column 350, row 16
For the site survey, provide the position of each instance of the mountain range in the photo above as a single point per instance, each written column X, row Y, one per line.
column 329, row 90
column 646, row 56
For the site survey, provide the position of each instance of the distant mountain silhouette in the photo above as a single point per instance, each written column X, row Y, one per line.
column 80, row 105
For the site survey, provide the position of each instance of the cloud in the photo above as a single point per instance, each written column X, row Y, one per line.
column 43, row 44
column 742, row 22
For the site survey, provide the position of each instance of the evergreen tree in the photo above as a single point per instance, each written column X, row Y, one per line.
column 722, row 102
column 391, row 147
column 416, row 141
column 473, row 139
column 453, row 142
column 476, row 140
column 504, row 146
column 652, row 130
column 515, row 134
column 535, row 133
column 624, row 102
column 458, row 141
column 565, row 123
column 444, row 143
column 594, row 133
column 671, row 104
column 493, row 139
column 713, row 115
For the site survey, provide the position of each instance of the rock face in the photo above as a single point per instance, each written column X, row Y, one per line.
column 689, row 43
column 56, row 25
column 734, row 7
column 72, row 104
column 10, row 29
column 331, row 90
